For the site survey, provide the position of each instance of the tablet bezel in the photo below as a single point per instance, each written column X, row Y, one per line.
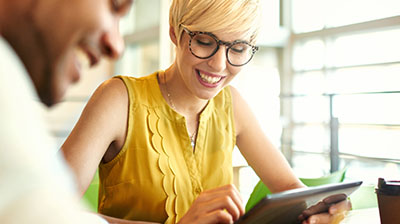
column 285, row 207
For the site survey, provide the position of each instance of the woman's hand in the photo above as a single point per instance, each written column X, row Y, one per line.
column 219, row 205
column 330, row 210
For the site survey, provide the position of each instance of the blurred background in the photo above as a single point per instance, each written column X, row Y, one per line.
column 325, row 84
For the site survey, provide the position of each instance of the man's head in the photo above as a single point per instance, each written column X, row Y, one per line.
column 47, row 35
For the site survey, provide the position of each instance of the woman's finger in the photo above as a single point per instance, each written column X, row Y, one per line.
column 344, row 205
column 330, row 205
column 223, row 203
column 219, row 205
column 320, row 218
column 223, row 192
column 218, row 216
column 320, row 207
column 334, row 198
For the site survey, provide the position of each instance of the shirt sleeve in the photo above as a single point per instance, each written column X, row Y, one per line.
column 36, row 185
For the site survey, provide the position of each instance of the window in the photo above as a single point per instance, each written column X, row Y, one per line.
column 145, row 30
column 344, row 65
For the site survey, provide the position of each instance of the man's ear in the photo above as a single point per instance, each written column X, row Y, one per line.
column 172, row 35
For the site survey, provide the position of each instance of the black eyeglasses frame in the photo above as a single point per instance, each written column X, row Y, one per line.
column 219, row 42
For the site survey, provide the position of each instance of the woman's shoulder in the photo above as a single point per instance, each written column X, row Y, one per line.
column 236, row 97
column 134, row 80
column 226, row 96
column 233, row 91
column 143, row 90
column 113, row 87
column 111, row 93
column 138, row 84
column 240, row 108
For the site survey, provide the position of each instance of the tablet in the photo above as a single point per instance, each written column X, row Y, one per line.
column 286, row 206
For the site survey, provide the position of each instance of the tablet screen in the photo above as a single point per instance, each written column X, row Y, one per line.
column 286, row 206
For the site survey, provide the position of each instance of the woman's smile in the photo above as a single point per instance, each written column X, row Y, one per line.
column 209, row 80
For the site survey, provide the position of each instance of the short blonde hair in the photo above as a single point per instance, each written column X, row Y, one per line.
column 229, row 16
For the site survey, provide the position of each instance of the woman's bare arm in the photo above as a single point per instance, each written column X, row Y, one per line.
column 100, row 132
column 266, row 160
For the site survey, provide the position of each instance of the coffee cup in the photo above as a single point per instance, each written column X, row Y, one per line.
column 388, row 193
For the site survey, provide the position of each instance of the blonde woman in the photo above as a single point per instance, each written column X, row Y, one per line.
column 164, row 142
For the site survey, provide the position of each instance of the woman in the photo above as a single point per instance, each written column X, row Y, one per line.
column 164, row 142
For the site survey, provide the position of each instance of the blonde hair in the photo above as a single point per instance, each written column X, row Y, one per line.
column 229, row 16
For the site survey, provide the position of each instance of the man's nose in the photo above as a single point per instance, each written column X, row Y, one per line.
column 113, row 43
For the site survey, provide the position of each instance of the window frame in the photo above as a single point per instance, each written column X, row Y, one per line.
column 287, row 76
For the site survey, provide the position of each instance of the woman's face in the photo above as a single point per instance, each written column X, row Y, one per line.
column 205, row 78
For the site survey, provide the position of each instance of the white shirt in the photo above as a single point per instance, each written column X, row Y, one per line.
column 35, row 184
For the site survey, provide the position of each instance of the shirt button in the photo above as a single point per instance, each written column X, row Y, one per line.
column 198, row 190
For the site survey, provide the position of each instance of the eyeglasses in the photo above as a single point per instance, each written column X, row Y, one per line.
column 204, row 45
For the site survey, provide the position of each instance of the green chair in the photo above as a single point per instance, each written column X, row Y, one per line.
column 91, row 196
column 364, row 197
column 260, row 190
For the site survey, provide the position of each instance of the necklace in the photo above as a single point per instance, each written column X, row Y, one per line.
column 168, row 94
column 193, row 139
column 191, row 136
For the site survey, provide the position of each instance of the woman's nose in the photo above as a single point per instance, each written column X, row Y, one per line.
column 218, row 61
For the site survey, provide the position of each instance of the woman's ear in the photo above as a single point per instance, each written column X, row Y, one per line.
column 172, row 35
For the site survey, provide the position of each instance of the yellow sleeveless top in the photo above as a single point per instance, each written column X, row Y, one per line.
column 157, row 175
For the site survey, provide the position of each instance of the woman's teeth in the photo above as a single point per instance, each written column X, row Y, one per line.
column 209, row 79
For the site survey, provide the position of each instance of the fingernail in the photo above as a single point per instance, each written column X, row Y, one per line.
column 332, row 210
column 314, row 220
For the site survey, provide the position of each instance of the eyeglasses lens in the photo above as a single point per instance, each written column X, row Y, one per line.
column 204, row 46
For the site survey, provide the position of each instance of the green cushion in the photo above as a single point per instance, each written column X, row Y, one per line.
column 364, row 197
column 91, row 196
column 335, row 177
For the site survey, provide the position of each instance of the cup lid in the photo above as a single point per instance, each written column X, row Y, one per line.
column 389, row 187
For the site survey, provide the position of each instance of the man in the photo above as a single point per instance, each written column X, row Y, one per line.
column 38, row 43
